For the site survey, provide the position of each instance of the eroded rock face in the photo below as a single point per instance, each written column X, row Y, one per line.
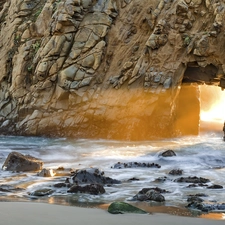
column 19, row 162
column 105, row 68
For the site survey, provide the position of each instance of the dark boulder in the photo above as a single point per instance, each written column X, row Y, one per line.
column 197, row 185
column 129, row 165
column 150, row 194
column 92, row 176
column 19, row 162
column 192, row 180
column 93, row 189
column 215, row 186
column 168, row 153
column 62, row 185
column 176, row 172
column 122, row 207
column 155, row 196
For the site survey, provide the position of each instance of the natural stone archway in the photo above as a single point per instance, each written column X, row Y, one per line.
column 105, row 69
column 202, row 75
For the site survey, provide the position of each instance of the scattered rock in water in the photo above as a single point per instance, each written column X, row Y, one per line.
column 133, row 179
column 145, row 190
column 120, row 165
column 194, row 199
column 168, row 153
column 161, row 179
column 10, row 188
column 215, row 186
column 155, row 196
column 46, row 173
column 176, row 172
column 198, row 195
column 194, row 180
column 206, row 207
column 42, row 192
column 150, row 194
column 19, row 162
column 93, row 189
column 122, row 207
column 92, row 176
column 197, row 185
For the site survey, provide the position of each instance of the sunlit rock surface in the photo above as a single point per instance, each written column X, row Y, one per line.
column 18, row 162
column 107, row 68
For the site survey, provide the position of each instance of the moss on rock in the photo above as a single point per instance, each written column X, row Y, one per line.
column 122, row 207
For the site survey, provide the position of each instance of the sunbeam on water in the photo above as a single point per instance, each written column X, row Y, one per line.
column 212, row 103
column 212, row 114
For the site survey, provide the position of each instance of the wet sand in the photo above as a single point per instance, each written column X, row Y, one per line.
column 20, row 213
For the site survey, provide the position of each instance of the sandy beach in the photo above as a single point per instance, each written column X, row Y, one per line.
column 20, row 213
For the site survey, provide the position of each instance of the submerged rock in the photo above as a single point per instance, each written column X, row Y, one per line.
column 192, row 180
column 10, row 188
column 93, row 189
column 42, row 192
column 215, row 186
column 197, row 185
column 168, row 153
column 92, row 176
column 161, row 179
column 122, row 207
column 120, row 165
column 19, row 162
column 176, row 172
column 133, row 179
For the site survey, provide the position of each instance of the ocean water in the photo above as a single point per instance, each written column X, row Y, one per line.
column 202, row 156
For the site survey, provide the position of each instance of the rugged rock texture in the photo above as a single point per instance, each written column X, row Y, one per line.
column 150, row 194
column 92, row 176
column 106, row 68
column 93, row 189
column 19, row 162
column 120, row 165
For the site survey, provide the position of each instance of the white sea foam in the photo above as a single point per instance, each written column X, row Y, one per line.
column 202, row 156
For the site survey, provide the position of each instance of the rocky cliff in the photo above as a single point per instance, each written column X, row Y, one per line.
column 107, row 68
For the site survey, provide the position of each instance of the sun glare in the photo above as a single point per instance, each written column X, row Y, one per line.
column 212, row 104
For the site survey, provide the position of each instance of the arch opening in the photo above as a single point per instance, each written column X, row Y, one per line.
column 201, row 102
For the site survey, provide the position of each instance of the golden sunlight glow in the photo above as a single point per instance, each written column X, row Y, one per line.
column 212, row 104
